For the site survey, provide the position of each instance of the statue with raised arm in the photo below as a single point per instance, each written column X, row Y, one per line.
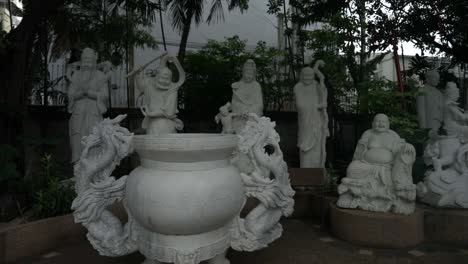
column 160, row 98
column 87, row 97
column 446, row 184
column 246, row 96
column 379, row 177
column 311, row 104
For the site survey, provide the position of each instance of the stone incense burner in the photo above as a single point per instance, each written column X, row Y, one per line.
column 184, row 201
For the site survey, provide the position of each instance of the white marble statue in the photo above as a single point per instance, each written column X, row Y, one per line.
column 87, row 97
column 160, row 97
column 96, row 190
column 455, row 119
column 261, row 225
column 225, row 118
column 446, row 184
column 430, row 103
column 184, row 201
column 246, row 96
column 311, row 104
column 379, row 177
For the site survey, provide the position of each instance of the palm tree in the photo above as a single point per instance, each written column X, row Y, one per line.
column 183, row 12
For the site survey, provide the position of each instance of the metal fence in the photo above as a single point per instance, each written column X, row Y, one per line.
column 56, row 88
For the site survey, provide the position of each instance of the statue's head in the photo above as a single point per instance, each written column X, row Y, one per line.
column 452, row 92
column 249, row 71
column 88, row 59
column 307, row 75
column 432, row 77
column 164, row 78
column 381, row 123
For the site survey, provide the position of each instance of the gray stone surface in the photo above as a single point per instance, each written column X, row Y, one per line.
column 300, row 244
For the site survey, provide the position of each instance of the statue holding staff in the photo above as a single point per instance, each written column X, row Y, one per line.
column 311, row 104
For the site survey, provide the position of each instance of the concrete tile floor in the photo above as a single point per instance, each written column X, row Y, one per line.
column 302, row 243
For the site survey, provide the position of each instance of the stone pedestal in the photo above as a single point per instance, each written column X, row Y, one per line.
column 448, row 226
column 309, row 184
column 384, row 230
column 307, row 177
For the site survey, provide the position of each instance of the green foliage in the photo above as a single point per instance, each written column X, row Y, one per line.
column 346, row 75
column 349, row 69
column 333, row 179
column 56, row 197
column 212, row 70
column 351, row 34
column 210, row 73
column 382, row 97
column 183, row 13
column 110, row 27
column 419, row 67
column 437, row 26
column 325, row 44
column 276, row 86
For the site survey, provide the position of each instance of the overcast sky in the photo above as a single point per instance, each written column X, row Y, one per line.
column 253, row 25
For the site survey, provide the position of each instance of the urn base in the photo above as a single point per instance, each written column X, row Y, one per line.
column 183, row 249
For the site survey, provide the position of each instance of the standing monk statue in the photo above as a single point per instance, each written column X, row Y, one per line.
column 311, row 104
column 160, row 97
column 246, row 96
column 87, row 97
column 430, row 103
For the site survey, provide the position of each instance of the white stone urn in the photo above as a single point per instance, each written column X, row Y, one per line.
column 184, row 201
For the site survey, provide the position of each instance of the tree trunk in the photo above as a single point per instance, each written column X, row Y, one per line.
column 362, row 53
column 362, row 74
column 184, row 37
column 15, row 69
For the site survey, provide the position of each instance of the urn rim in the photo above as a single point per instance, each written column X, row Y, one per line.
column 185, row 141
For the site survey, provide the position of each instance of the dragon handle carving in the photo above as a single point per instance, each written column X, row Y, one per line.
column 265, row 177
column 104, row 148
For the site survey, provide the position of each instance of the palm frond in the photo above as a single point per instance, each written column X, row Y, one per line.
column 177, row 13
column 241, row 4
column 216, row 11
column 196, row 7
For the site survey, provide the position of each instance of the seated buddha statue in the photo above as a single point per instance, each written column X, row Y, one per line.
column 379, row 177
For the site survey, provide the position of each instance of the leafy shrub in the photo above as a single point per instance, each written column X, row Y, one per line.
column 333, row 179
column 400, row 107
column 212, row 70
column 56, row 197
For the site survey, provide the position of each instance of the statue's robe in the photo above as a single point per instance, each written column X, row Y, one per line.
column 312, row 125
column 246, row 98
column 85, row 112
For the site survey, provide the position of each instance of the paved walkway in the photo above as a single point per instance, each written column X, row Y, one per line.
column 302, row 243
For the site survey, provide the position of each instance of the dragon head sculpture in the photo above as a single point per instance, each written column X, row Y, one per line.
column 103, row 150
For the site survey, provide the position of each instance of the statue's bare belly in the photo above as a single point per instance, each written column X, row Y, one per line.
column 379, row 155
